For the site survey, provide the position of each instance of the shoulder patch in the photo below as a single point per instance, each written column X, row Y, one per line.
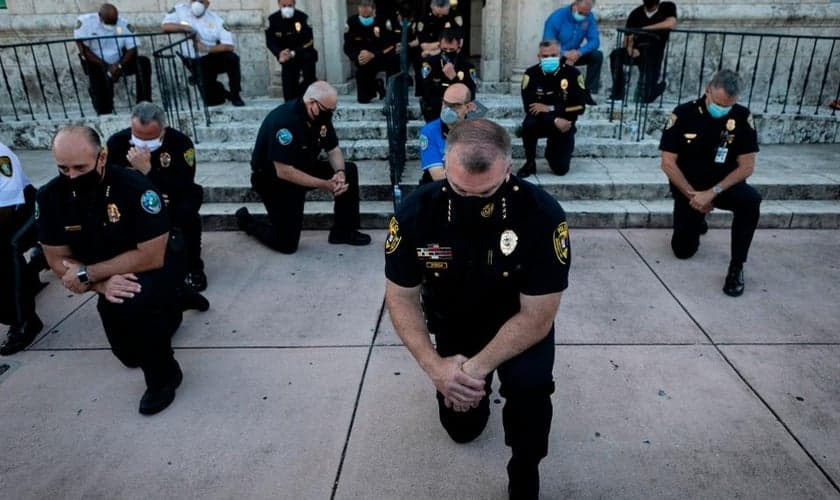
column 189, row 157
column 420, row 26
column 473, row 76
column 459, row 20
column 5, row 166
column 424, row 142
column 393, row 240
column 346, row 27
column 37, row 210
column 751, row 122
column 284, row 136
column 130, row 27
column 171, row 11
column 561, row 242
column 525, row 81
column 580, row 81
column 150, row 201
column 427, row 70
column 225, row 27
column 672, row 119
column 78, row 23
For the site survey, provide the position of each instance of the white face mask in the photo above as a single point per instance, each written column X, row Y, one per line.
column 287, row 12
column 197, row 9
column 152, row 145
column 110, row 28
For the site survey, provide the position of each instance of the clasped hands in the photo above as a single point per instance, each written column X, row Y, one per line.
column 337, row 184
column 460, row 383
column 116, row 289
column 701, row 200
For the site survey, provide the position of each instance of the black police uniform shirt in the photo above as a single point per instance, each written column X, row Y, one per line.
column 474, row 256
column 707, row 148
column 287, row 136
column 173, row 163
column 428, row 28
column 436, row 83
column 564, row 89
column 294, row 34
column 379, row 38
column 638, row 19
column 123, row 211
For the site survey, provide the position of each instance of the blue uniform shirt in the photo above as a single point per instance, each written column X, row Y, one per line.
column 432, row 145
column 561, row 26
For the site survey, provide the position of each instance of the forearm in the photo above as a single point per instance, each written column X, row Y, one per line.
column 675, row 175
column 176, row 28
column 516, row 336
column 221, row 47
column 336, row 159
column 296, row 176
column 132, row 261
column 746, row 165
column 410, row 325
column 667, row 24
column 128, row 57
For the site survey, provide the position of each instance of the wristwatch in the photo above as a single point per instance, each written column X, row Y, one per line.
column 717, row 189
column 83, row 276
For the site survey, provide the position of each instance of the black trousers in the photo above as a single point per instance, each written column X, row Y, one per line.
column 140, row 329
column 649, row 63
column 526, row 384
column 296, row 77
column 366, row 85
column 185, row 216
column 559, row 145
column 284, row 203
column 102, row 88
column 741, row 199
column 210, row 66
column 18, row 283
column 593, row 62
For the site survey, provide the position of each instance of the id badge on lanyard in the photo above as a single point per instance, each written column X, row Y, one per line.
column 720, row 156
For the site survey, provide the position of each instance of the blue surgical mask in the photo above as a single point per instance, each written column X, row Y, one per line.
column 716, row 111
column 578, row 17
column 448, row 116
column 549, row 64
column 366, row 21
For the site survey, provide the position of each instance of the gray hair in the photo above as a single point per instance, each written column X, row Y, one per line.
column 727, row 80
column 147, row 112
column 90, row 135
column 318, row 91
column 483, row 143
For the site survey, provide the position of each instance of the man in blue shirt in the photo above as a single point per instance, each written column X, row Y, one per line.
column 571, row 26
column 457, row 102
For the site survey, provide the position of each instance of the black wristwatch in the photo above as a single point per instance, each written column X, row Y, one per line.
column 83, row 276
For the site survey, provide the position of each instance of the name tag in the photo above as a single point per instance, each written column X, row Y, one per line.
column 72, row 228
column 720, row 157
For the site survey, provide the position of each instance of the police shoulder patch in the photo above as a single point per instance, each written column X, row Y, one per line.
column 284, row 136
column 672, row 119
column 427, row 70
column 525, row 81
column 189, row 157
column 78, row 23
column 171, row 11
column 150, row 201
column 393, row 240
column 473, row 75
column 581, row 82
column 346, row 27
column 424, row 142
column 130, row 28
column 5, row 166
column 751, row 122
column 459, row 20
column 561, row 242
column 37, row 210
column 225, row 27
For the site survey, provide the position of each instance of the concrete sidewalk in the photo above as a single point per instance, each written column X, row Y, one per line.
column 296, row 387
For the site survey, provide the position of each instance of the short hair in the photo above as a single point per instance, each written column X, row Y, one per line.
column 366, row 3
column 582, row 1
column 548, row 43
column 88, row 133
column 440, row 3
column 485, row 140
column 147, row 112
column 319, row 90
column 727, row 80
column 453, row 33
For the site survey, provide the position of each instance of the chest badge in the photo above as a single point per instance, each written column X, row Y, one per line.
column 298, row 27
column 323, row 131
column 730, row 124
column 487, row 210
column 460, row 75
column 508, row 242
column 113, row 213
column 165, row 160
column 376, row 31
column 564, row 84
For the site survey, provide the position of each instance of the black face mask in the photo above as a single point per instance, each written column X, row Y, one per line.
column 84, row 186
column 449, row 56
column 477, row 211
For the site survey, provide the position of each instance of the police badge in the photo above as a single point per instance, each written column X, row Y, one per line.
column 165, row 160
column 508, row 242
column 113, row 213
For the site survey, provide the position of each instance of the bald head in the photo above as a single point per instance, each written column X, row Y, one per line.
column 77, row 150
column 108, row 14
column 458, row 93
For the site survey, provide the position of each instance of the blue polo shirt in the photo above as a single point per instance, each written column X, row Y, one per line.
column 561, row 26
column 432, row 145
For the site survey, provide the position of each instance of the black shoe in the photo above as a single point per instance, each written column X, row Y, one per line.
column 734, row 284
column 236, row 100
column 354, row 238
column 590, row 101
column 21, row 335
column 193, row 300
column 156, row 401
column 380, row 88
column 704, row 227
column 243, row 219
column 523, row 480
column 527, row 168
column 196, row 280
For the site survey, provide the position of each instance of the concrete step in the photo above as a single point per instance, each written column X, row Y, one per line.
column 787, row 214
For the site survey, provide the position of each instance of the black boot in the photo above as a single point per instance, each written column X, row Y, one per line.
column 155, row 401
column 21, row 335
column 734, row 284
column 527, row 168
column 523, row 479
column 243, row 220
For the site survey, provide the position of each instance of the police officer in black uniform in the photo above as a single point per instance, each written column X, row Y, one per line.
column 105, row 229
column 285, row 166
column 19, row 281
column 708, row 152
column 489, row 255
column 442, row 70
column 167, row 157
column 438, row 17
column 371, row 44
column 289, row 37
column 554, row 97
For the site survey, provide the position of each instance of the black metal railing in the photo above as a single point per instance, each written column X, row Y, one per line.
column 396, row 116
column 47, row 79
column 180, row 86
column 782, row 74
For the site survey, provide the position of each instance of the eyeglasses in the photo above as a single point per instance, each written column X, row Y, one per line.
column 321, row 107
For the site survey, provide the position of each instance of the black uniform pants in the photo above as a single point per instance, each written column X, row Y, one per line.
column 185, row 216
column 741, row 199
column 284, row 203
column 526, row 384
column 102, row 88
column 559, row 145
column 593, row 62
column 293, row 85
column 209, row 67
column 18, row 283
column 649, row 63
column 366, row 85
column 141, row 328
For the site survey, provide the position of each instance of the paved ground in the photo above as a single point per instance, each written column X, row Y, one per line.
column 296, row 386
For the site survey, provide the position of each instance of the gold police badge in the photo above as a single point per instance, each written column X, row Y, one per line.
column 564, row 84
column 730, row 124
column 323, row 131
column 298, row 27
column 508, row 242
column 113, row 213
column 394, row 238
column 165, row 160
column 460, row 75
column 376, row 31
column 487, row 210
column 525, row 80
column 561, row 242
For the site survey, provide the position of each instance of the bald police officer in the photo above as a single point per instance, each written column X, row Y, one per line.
column 708, row 152
column 108, row 54
column 285, row 166
column 457, row 103
column 480, row 260
column 289, row 38
column 105, row 229
column 212, row 51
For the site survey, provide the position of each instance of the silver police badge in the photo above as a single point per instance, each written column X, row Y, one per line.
column 508, row 241
column 165, row 160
